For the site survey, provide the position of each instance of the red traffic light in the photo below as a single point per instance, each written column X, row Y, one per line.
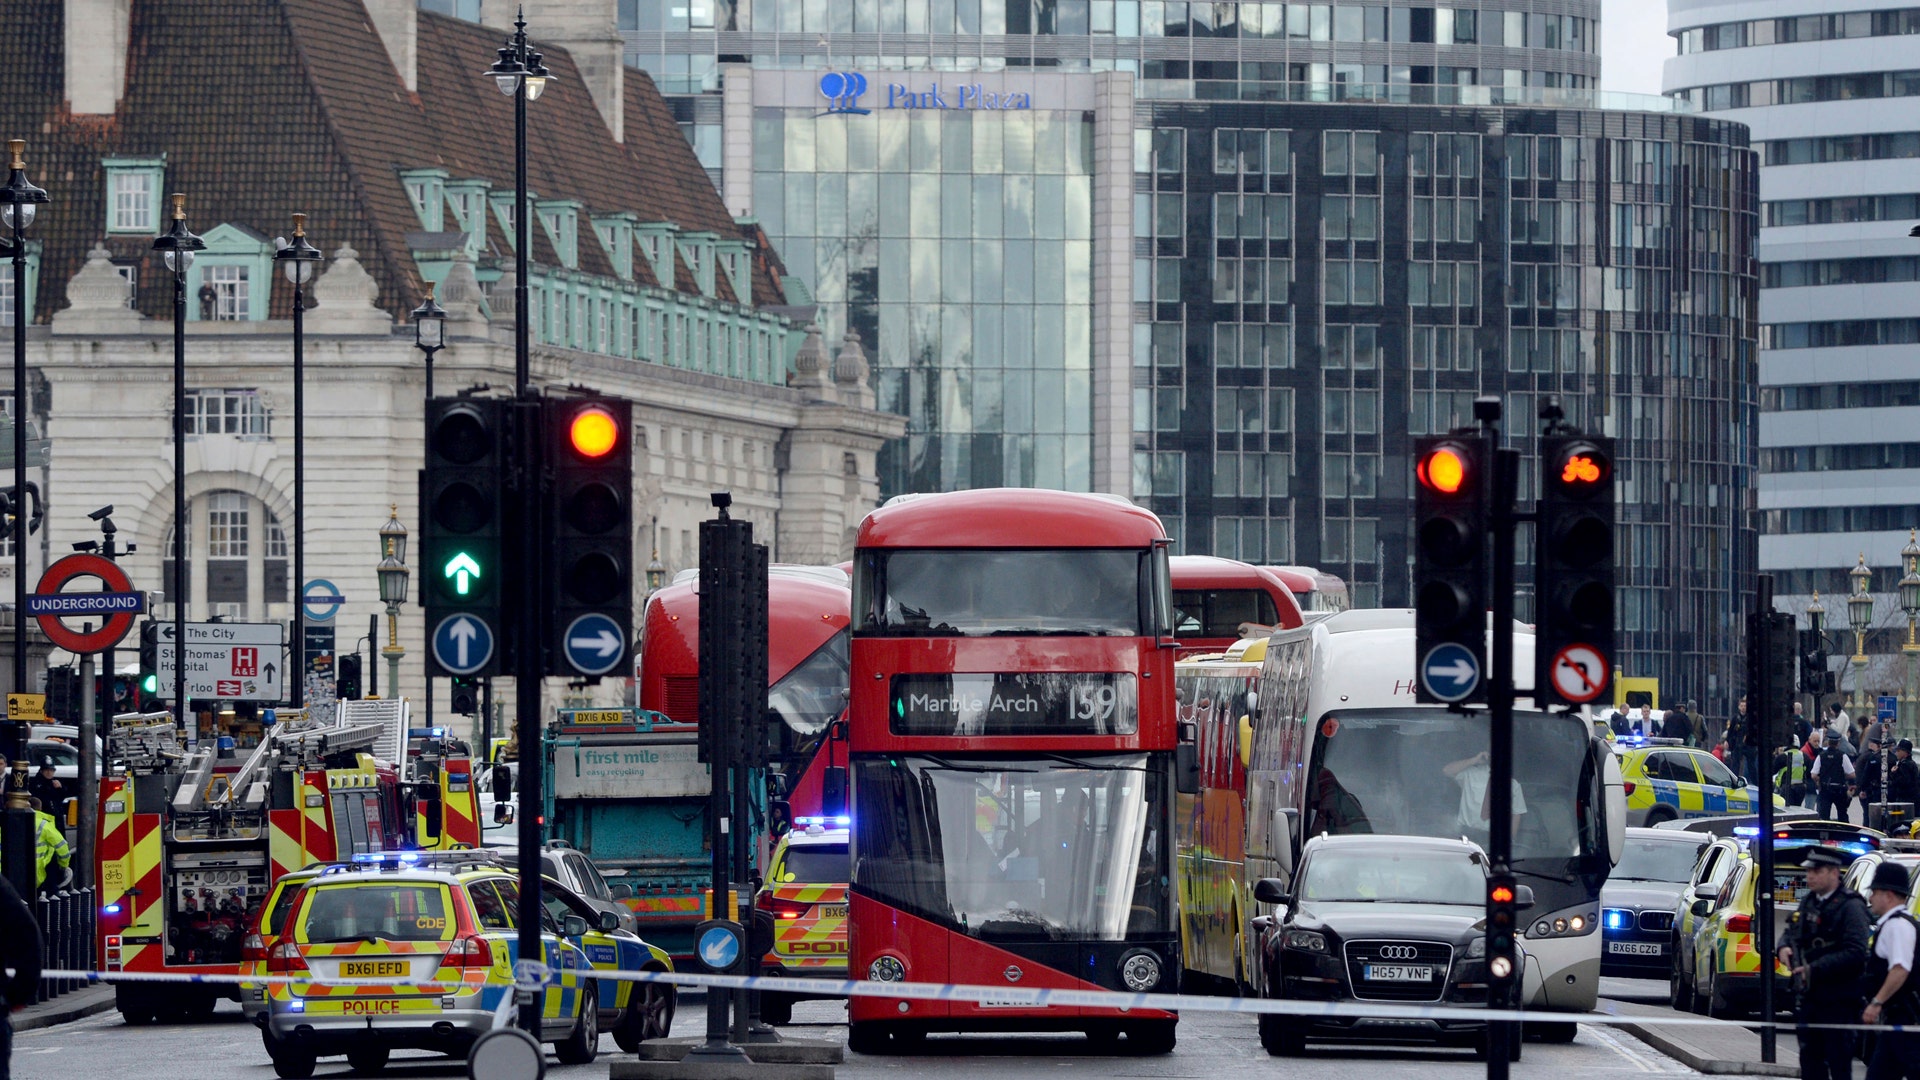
column 1502, row 894
column 1444, row 469
column 593, row 432
column 1582, row 469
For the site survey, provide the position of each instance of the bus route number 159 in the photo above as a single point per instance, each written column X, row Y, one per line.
column 1092, row 702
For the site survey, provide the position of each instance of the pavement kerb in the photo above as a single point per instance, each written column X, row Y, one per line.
column 64, row 1009
column 1699, row 1060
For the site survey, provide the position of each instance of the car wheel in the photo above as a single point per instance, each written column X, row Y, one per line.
column 292, row 1063
column 1680, row 988
column 1718, row 1007
column 583, row 1045
column 776, row 1008
column 648, row 1015
column 1659, row 814
column 1280, row 1036
column 368, row 1060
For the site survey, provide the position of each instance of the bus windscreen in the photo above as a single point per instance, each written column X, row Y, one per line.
column 974, row 592
column 814, row 693
column 1217, row 613
column 1014, row 703
column 1051, row 848
column 1423, row 772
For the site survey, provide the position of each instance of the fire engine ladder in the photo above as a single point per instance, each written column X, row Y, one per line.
column 144, row 742
column 290, row 743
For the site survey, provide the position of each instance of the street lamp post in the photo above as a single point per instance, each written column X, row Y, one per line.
column 1910, row 605
column 177, row 246
column 1817, row 623
column 21, row 197
column 1860, row 617
column 297, row 258
column 393, row 591
column 520, row 74
column 429, row 336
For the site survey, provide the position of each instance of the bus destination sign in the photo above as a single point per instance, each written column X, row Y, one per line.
column 1014, row 703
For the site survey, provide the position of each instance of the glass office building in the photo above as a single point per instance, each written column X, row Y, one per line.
column 1230, row 258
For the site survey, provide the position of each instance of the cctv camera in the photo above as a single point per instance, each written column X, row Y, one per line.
column 101, row 513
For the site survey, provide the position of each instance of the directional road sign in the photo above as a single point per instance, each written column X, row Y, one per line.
column 1886, row 707
column 593, row 644
column 320, row 600
column 462, row 644
column 1450, row 672
column 238, row 661
column 719, row 944
column 1579, row 673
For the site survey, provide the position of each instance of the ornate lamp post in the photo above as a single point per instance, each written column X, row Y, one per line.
column 297, row 258
column 177, row 246
column 21, row 197
column 1910, row 605
column 429, row 332
column 393, row 591
column 520, row 73
column 1860, row 617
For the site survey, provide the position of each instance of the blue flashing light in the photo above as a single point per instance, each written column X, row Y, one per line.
column 842, row 821
column 296, row 1006
column 110, row 909
column 1615, row 919
column 1746, row 830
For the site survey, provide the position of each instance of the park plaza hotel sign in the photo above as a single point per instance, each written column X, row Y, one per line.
column 844, row 92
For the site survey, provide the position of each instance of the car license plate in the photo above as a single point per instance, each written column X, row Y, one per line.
column 832, row 911
column 1396, row 973
column 1636, row 948
column 367, row 969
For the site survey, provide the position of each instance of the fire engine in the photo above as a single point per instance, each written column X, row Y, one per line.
column 191, row 840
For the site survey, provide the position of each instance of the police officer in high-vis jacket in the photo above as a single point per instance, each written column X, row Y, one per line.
column 1893, row 994
column 1826, row 949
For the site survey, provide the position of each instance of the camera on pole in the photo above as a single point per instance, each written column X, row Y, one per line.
column 1573, row 570
column 1450, row 567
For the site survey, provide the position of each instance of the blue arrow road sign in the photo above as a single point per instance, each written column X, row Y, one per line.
column 719, row 948
column 86, row 603
column 1450, row 672
column 594, row 644
column 462, row 644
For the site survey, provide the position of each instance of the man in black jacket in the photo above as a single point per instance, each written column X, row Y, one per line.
column 1826, row 949
column 20, row 953
column 1903, row 779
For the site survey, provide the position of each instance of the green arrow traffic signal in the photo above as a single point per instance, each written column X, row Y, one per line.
column 463, row 570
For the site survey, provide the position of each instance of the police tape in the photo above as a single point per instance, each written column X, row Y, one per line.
column 1007, row 997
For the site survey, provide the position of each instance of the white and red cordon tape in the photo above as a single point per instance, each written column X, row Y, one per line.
column 1008, row 995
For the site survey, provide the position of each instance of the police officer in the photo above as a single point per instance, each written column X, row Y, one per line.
column 50, row 847
column 1790, row 774
column 1903, row 778
column 1832, row 775
column 1893, row 995
column 1826, row 949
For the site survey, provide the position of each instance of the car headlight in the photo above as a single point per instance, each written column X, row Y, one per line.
column 1477, row 948
column 1306, row 941
column 887, row 969
column 1140, row 971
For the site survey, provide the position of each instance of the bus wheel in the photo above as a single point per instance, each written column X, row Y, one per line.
column 1150, row 1038
column 869, row 1037
column 1280, row 1036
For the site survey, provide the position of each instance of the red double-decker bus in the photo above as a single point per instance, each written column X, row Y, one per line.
column 807, row 612
column 1012, row 756
column 1216, row 602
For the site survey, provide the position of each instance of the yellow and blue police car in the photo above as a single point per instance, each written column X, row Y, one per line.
column 417, row 951
column 1666, row 780
column 806, row 891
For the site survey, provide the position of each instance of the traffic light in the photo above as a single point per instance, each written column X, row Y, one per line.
column 346, row 677
column 1780, row 664
column 1573, row 570
column 63, row 693
column 1450, row 506
column 465, row 695
column 587, row 534
column 1502, row 913
column 149, row 663
column 465, row 543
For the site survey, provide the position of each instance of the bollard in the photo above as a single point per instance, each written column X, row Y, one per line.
column 89, row 916
column 70, row 927
column 43, row 912
column 57, row 924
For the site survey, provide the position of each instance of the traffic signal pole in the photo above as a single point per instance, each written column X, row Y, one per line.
column 528, row 594
column 1501, row 987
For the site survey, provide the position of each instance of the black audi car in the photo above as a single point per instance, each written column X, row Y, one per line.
column 1391, row 919
column 1637, row 903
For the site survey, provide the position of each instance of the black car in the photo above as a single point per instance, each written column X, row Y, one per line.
column 1390, row 919
column 1638, row 902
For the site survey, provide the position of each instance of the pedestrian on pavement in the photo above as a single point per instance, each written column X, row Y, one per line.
column 1826, row 948
column 48, row 788
column 19, row 954
column 1802, row 728
column 49, row 849
column 1832, row 776
column 1677, row 725
column 1903, row 779
column 1837, row 722
column 1893, row 995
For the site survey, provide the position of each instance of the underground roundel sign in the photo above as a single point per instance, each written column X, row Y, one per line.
column 113, row 625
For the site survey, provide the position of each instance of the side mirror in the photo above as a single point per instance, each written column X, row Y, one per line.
column 574, row 926
column 1271, row 891
column 1522, row 897
column 1706, row 891
column 609, row 920
column 503, row 814
column 777, row 787
column 1701, row 907
column 502, row 783
column 779, row 817
column 1186, row 768
column 833, row 790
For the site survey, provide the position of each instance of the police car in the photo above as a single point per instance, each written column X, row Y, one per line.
column 1903, row 851
column 269, row 923
column 806, row 892
column 416, row 951
column 1666, row 780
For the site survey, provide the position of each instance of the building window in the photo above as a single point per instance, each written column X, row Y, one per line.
column 230, row 300
column 226, row 412
column 133, row 194
column 227, row 514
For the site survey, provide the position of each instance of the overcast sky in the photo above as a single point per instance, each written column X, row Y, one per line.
column 1633, row 44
